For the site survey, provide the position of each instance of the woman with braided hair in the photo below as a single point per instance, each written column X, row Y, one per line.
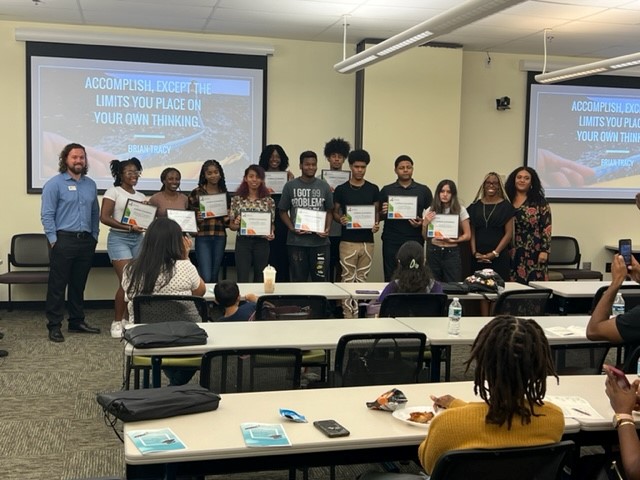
column 512, row 362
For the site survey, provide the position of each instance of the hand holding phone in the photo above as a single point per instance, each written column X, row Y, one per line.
column 624, row 247
column 621, row 378
column 331, row 428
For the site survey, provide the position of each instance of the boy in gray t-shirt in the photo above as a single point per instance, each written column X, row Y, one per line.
column 308, row 251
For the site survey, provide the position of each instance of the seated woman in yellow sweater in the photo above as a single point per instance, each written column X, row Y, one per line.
column 512, row 361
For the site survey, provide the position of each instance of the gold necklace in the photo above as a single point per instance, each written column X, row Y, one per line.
column 484, row 213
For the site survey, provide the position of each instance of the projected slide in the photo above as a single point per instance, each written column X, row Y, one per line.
column 585, row 141
column 163, row 114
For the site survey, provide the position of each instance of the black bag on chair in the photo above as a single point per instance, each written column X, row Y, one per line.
column 166, row 334
column 152, row 403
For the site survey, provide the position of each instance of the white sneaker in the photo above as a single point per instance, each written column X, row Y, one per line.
column 116, row 329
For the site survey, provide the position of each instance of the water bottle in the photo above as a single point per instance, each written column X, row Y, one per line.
column 638, row 368
column 455, row 314
column 618, row 305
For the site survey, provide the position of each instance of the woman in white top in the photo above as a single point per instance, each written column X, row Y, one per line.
column 163, row 268
column 443, row 253
column 123, row 242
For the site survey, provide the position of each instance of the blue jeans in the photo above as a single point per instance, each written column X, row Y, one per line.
column 210, row 253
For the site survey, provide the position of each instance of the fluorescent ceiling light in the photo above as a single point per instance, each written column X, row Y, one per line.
column 441, row 24
column 611, row 64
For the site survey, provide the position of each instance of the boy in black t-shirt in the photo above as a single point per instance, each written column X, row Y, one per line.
column 355, row 206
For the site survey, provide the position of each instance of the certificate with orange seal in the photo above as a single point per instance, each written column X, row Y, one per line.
column 138, row 213
column 360, row 216
column 255, row 223
column 310, row 220
column 212, row 206
column 402, row 207
column 444, row 225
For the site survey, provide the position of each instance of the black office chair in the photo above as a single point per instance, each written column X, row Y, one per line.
column 580, row 359
column 164, row 308
column 544, row 462
column 299, row 307
column 523, row 303
column 28, row 250
column 630, row 293
column 564, row 259
column 234, row 371
column 527, row 463
column 419, row 305
column 292, row 307
column 414, row 305
column 378, row 358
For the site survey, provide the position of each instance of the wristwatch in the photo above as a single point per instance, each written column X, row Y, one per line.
column 496, row 254
column 618, row 418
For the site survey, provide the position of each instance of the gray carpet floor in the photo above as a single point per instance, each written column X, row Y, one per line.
column 50, row 424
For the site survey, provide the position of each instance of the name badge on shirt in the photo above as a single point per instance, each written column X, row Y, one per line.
column 72, row 188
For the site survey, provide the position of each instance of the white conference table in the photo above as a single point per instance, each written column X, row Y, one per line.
column 439, row 340
column 215, row 443
column 305, row 334
column 575, row 297
column 328, row 289
column 375, row 288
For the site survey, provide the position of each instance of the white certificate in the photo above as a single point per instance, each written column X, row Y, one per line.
column 212, row 206
column 274, row 181
column 185, row 218
column 310, row 220
column 360, row 216
column 335, row 177
column 138, row 213
column 402, row 207
column 255, row 223
column 443, row 226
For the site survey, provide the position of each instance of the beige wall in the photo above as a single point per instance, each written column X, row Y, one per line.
column 437, row 105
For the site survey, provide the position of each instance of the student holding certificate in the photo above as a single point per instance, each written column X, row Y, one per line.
column 401, row 226
column 355, row 206
column 443, row 251
column 211, row 238
column 251, row 215
column 305, row 208
column 274, row 159
column 124, row 240
column 169, row 197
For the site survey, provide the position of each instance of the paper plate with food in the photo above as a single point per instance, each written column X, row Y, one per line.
column 419, row 416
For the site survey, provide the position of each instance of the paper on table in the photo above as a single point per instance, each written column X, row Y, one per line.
column 574, row 407
column 150, row 441
column 567, row 331
column 264, row 435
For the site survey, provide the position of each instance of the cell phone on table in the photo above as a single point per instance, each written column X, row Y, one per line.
column 620, row 377
column 367, row 292
column 624, row 247
column 331, row 428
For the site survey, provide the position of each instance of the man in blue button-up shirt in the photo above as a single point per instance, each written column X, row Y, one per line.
column 70, row 216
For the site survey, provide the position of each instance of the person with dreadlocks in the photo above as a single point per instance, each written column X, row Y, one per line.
column 512, row 361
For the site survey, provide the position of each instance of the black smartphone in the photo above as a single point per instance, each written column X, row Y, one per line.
column 367, row 292
column 624, row 247
column 331, row 428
